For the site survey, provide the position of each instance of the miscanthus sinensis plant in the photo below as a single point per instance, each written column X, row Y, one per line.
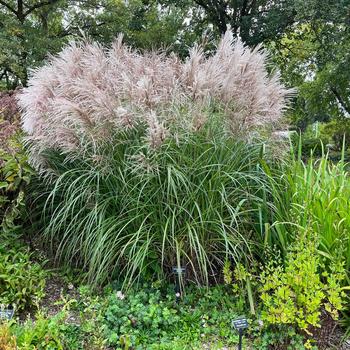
column 88, row 93
column 145, row 158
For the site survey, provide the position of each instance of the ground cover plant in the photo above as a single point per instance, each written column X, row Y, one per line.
column 144, row 318
column 150, row 318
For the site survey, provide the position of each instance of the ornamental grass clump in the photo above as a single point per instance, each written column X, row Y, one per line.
column 89, row 92
column 145, row 159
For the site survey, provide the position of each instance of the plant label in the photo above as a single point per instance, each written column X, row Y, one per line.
column 6, row 314
column 179, row 270
column 240, row 323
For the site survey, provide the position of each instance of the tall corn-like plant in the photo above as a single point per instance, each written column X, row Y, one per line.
column 146, row 159
column 314, row 195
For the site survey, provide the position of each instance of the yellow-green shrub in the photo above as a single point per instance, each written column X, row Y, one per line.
column 295, row 293
column 7, row 340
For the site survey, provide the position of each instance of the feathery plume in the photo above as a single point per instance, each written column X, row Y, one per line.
column 90, row 92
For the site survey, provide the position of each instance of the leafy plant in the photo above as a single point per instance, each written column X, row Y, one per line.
column 296, row 292
column 148, row 319
column 22, row 281
column 88, row 333
column 141, row 318
column 7, row 340
column 43, row 334
column 15, row 174
column 280, row 337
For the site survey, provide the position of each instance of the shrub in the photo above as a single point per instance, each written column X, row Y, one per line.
column 15, row 172
column 295, row 293
column 22, row 281
column 7, row 340
column 15, row 175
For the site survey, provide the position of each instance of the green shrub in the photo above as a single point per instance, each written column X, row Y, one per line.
column 22, row 281
column 42, row 334
column 15, row 174
column 295, row 292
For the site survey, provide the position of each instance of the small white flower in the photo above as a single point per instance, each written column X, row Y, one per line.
column 178, row 295
column 70, row 286
column 120, row 295
column 260, row 323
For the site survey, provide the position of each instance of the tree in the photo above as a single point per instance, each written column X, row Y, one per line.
column 314, row 55
column 31, row 30
column 25, row 37
column 145, row 24
column 254, row 21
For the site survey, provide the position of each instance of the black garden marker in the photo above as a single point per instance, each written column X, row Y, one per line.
column 240, row 324
column 179, row 272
